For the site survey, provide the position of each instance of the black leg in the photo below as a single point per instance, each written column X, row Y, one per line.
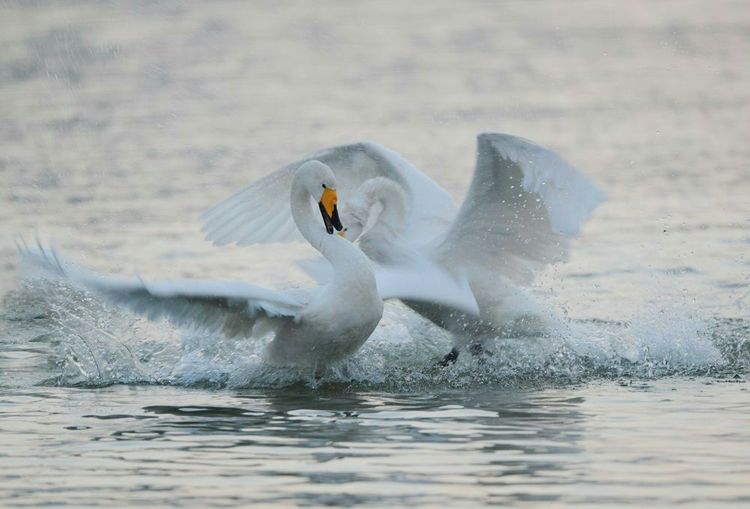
column 449, row 359
column 477, row 350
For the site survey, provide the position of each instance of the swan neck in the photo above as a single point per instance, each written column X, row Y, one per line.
column 342, row 254
column 390, row 200
column 302, row 213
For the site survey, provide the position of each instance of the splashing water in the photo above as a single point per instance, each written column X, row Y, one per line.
column 92, row 344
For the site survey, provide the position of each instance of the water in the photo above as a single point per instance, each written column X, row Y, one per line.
column 553, row 447
column 119, row 124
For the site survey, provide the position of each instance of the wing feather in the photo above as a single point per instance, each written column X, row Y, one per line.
column 230, row 307
column 407, row 275
column 523, row 205
column 239, row 217
column 261, row 213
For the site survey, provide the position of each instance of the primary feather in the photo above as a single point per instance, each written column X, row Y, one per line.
column 229, row 307
column 522, row 207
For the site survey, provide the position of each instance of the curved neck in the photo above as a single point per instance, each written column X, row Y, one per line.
column 302, row 213
column 387, row 210
column 342, row 254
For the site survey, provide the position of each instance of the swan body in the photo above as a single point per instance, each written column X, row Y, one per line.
column 523, row 206
column 312, row 327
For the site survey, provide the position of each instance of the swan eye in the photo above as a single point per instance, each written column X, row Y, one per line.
column 324, row 186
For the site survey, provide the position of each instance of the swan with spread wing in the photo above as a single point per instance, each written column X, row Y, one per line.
column 523, row 206
column 313, row 327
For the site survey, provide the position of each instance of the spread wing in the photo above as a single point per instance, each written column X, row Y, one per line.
column 230, row 307
column 426, row 282
column 261, row 213
column 408, row 275
column 523, row 206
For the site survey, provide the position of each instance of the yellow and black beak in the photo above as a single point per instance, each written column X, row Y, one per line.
column 329, row 211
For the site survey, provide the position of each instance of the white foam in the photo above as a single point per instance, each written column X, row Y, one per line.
column 98, row 345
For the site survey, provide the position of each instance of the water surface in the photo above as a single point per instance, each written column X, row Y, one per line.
column 120, row 123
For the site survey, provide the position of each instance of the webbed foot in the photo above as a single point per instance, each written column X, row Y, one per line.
column 449, row 359
column 477, row 350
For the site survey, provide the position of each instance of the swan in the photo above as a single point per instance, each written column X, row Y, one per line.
column 248, row 218
column 523, row 206
column 312, row 327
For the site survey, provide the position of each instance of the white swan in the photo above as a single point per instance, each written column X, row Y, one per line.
column 313, row 327
column 523, row 206
column 247, row 218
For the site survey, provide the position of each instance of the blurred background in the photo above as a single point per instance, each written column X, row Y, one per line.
column 120, row 122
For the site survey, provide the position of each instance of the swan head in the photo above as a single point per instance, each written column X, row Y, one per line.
column 320, row 182
column 379, row 205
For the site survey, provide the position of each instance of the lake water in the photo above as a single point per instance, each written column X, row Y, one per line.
column 121, row 122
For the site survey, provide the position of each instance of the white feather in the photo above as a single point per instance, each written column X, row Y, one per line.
column 523, row 205
column 522, row 208
column 312, row 328
column 250, row 217
column 415, row 278
column 230, row 307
